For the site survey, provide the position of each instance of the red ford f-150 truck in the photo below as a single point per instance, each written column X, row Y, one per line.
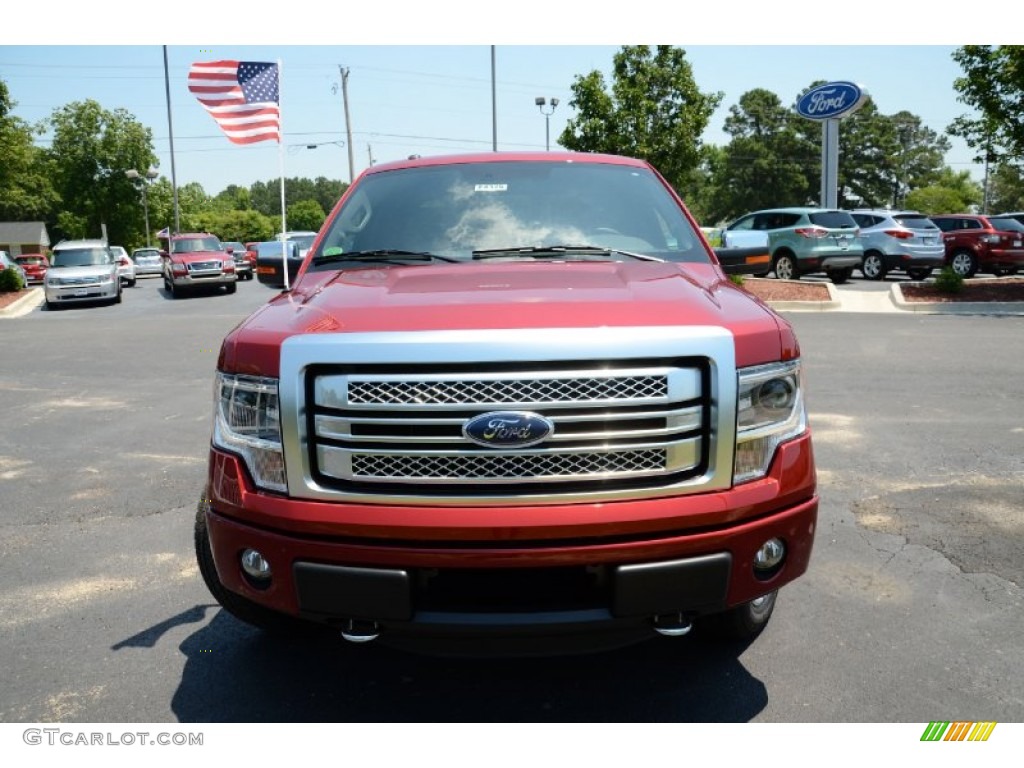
column 511, row 403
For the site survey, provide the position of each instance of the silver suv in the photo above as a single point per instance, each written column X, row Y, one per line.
column 81, row 270
column 905, row 240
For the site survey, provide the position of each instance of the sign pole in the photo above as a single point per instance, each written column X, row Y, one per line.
column 827, row 104
column 830, row 163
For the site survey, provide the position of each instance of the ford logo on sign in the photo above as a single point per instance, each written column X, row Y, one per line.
column 507, row 429
column 831, row 100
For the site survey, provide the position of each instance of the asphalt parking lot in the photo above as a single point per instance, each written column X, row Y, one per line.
column 911, row 610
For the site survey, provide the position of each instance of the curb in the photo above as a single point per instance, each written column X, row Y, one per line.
column 955, row 307
column 831, row 303
column 24, row 305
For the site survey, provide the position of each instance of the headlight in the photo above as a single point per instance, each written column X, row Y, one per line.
column 246, row 422
column 770, row 410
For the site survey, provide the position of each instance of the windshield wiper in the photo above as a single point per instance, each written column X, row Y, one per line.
column 387, row 255
column 572, row 252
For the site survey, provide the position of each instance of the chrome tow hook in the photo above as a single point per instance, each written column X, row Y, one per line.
column 672, row 624
column 360, row 631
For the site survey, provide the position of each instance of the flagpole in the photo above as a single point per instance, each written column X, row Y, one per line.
column 170, row 133
column 280, row 155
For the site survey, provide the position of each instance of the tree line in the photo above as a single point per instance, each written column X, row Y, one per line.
column 652, row 109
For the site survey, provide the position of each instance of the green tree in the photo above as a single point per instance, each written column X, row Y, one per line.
column 240, row 226
column 653, row 111
column 92, row 148
column 265, row 196
column 26, row 190
column 764, row 164
column 305, row 214
column 1006, row 188
column 993, row 84
column 952, row 192
column 233, row 198
column 193, row 202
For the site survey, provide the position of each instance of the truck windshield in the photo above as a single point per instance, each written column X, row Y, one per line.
column 195, row 244
column 459, row 209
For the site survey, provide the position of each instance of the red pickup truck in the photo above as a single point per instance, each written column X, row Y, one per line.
column 196, row 260
column 511, row 403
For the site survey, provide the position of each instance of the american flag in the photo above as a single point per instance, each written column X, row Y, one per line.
column 242, row 96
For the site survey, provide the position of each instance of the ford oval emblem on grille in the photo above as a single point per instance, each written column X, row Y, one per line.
column 507, row 429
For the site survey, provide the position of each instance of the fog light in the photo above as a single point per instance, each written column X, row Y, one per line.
column 769, row 558
column 255, row 565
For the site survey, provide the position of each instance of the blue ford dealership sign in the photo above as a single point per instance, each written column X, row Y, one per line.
column 831, row 100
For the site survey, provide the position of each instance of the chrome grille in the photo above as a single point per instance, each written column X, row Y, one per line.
column 202, row 266
column 501, row 466
column 490, row 392
column 611, row 423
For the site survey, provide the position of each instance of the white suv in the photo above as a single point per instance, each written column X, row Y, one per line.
column 81, row 270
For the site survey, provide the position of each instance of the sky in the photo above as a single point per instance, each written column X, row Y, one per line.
column 406, row 98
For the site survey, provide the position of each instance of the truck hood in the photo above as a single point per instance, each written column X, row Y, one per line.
column 527, row 295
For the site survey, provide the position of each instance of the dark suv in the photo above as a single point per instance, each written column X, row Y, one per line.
column 976, row 243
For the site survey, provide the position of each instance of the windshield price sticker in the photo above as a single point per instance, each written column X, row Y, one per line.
column 490, row 188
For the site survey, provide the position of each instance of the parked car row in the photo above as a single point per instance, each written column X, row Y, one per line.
column 804, row 240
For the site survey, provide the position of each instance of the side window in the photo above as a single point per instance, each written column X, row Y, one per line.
column 744, row 224
column 945, row 225
column 787, row 220
column 971, row 224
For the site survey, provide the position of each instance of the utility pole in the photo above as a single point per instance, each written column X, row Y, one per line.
column 494, row 105
column 369, row 154
column 348, row 122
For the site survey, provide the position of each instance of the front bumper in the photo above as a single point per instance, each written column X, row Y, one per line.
column 600, row 582
column 197, row 279
column 66, row 294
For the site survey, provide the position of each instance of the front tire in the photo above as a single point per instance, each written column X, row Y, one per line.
column 744, row 622
column 873, row 268
column 231, row 287
column 242, row 609
column 964, row 263
column 785, row 267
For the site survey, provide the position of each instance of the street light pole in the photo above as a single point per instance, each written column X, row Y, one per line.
column 151, row 174
column 540, row 101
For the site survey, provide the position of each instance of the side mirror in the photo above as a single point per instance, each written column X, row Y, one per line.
column 229, row 249
column 269, row 269
column 749, row 256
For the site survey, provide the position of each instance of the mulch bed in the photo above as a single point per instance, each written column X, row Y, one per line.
column 770, row 289
column 9, row 297
column 976, row 289
column 997, row 289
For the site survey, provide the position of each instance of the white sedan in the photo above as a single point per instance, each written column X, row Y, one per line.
column 125, row 265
